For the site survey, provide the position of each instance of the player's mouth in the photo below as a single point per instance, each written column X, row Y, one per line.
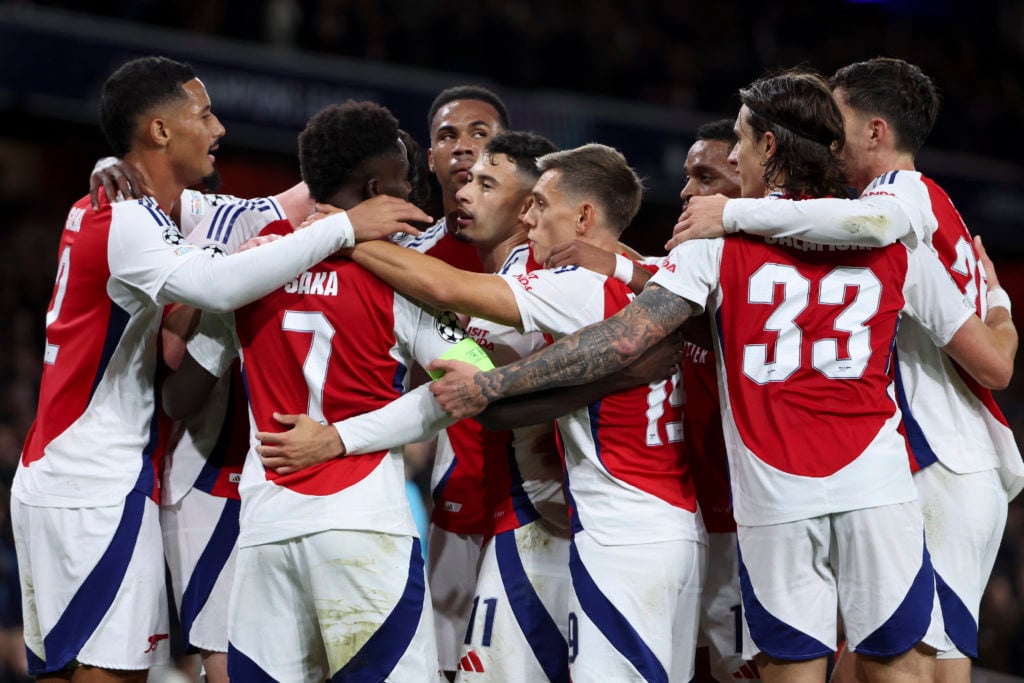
column 460, row 170
column 463, row 218
column 209, row 152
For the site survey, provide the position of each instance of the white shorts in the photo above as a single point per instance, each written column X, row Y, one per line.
column 453, row 563
column 200, row 534
column 870, row 565
column 518, row 624
column 964, row 518
column 92, row 584
column 721, row 612
column 633, row 610
column 339, row 605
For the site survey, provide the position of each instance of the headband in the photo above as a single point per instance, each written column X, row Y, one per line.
column 822, row 138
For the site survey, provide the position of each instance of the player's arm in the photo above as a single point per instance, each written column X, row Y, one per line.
column 589, row 354
column 438, row 284
column 208, row 356
column 182, row 273
column 870, row 221
column 586, row 255
column 656, row 364
column 987, row 350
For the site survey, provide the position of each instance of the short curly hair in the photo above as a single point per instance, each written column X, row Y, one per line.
column 339, row 140
column 467, row 92
column 133, row 89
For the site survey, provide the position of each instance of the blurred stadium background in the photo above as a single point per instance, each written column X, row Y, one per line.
column 641, row 76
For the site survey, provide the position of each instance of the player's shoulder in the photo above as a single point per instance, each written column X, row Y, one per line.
column 892, row 181
column 142, row 211
column 426, row 239
column 519, row 260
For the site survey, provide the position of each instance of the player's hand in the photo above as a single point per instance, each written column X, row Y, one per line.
column 986, row 263
column 257, row 241
column 385, row 215
column 116, row 175
column 582, row 254
column 307, row 443
column 657, row 363
column 702, row 219
column 457, row 392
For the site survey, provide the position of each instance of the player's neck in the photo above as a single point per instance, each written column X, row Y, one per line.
column 160, row 177
column 885, row 163
column 493, row 257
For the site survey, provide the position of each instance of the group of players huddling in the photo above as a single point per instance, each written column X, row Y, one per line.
column 777, row 441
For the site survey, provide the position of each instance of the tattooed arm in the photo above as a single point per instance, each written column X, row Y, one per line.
column 584, row 356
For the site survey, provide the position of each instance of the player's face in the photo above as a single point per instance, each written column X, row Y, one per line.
column 458, row 133
column 552, row 218
column 749, row 156
column 858, row 135
column 492, row 203
column 194, row 135
column 709, row 172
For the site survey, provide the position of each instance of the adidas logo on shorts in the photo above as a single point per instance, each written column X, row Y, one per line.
column 471, row 663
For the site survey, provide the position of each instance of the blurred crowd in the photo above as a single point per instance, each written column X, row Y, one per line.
column 688, row 54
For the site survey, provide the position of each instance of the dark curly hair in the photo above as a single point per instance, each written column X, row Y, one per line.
column 720, row 131
column 895, row 90
column 523, row 148
column 467, row 92
column 798, row 108
column 133, row 89
column 339, row 140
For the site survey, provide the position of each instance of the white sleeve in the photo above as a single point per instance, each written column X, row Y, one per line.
column 214, row 345
column 558, row 301
column 871, row 221
column 146, row 251
column 932, row 297
column 412, row 417
column 424, row 334
column 231, row 224
column 690, row 270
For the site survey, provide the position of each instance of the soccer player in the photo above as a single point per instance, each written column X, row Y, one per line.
column 804, row 337
column 461, row 120
column 709, row 172
column 719, row 654
column 85, row 523
column 638, row 545
column 329, row 579
column 962, row 444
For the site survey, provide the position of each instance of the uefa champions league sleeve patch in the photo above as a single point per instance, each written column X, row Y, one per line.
column 447, row 325
column 173, row 237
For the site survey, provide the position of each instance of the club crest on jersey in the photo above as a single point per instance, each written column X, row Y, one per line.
column 447, row 325
column 173, row 237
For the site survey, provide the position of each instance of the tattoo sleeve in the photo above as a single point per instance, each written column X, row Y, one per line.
column 595, row 351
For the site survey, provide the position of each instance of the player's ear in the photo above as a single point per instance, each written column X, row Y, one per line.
column 770, row 144
column 158, row 131
column 372, row 188
column 525, row 206
column 586, row 218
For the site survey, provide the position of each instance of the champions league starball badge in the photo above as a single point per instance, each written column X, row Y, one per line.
column 447, row 325
column 173, row 237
